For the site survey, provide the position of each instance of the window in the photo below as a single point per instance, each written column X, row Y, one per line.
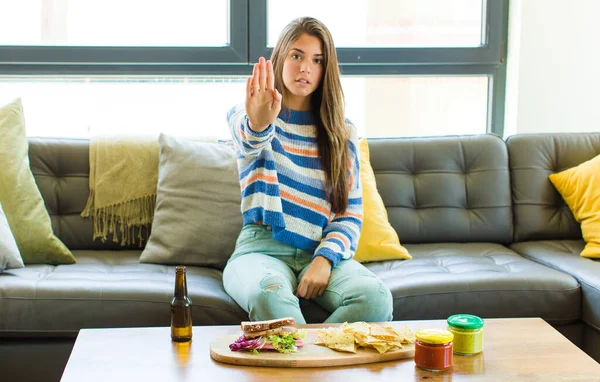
column 83, row 107
column 409, row 67
column 384, row 23
column 416, row 106
column 114, row 23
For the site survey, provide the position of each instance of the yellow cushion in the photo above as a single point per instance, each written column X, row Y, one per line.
column 21, row 199
column 580, row 188
column 378, row 239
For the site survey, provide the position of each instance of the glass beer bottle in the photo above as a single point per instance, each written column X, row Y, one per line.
column 181, row 308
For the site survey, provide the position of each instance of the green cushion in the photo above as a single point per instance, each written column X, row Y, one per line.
column 21, row 199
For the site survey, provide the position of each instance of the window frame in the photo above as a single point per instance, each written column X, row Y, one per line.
column 487, row 59
column 32, row 59
column 248, row 41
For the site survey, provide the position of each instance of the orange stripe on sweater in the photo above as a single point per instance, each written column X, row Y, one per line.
column 266, row 178
column 242, row 133
column 304, row 203
column 341, row 237
column 347, row 213
column 305, row 152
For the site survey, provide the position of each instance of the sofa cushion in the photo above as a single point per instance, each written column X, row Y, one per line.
column 580, row 188
column 378, row 239
column 107, row 289
column 485, row 279
column 9, row 252
column 20, row 197
column 540, row 212
column 563, row 255
column 198, row 217
column 445, row 189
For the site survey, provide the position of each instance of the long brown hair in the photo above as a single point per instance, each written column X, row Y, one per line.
column 327, row 107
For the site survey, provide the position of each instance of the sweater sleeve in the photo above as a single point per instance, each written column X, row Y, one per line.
column 247, row 141
column 340, row 236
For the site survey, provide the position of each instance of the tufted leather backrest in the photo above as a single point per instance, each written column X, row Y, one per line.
column 540, row 213
column 445, row 189
column 61, row 169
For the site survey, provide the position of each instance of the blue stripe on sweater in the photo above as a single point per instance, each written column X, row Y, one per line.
column 312, row 191
column 349, row 235
column 303, row 213
column 298, row 241
column 297, row 117
column 339, row 243
column 298, row 160
column 294, row 137
column 256, row 134
column 258, row 163
column 354, row 201
column 259, row 214
column 306, row 180
column 350, row 219
column 260, row 187
column 327, row 253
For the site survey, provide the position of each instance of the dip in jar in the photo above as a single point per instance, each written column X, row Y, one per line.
column 433, row 349
column 468, row 333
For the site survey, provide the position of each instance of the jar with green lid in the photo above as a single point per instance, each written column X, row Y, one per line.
column 433, row 349
column 468, row 333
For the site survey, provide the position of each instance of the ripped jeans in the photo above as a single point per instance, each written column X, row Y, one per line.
column 262, row 276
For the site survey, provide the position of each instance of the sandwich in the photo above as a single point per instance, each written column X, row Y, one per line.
column 279, row 334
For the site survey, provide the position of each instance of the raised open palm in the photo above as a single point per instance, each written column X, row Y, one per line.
column 263, row 101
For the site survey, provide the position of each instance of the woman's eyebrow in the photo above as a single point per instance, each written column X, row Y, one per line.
column 301, row 51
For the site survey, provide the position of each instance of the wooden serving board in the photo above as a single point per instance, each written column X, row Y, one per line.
column 309, row 355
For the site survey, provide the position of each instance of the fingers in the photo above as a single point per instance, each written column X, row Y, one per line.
column 315, row 291
column 309, row 291
column 249, row 87
column 301, row 291
column 255, row 79
column 276, row 104
column 262, row 80
column 270, row 76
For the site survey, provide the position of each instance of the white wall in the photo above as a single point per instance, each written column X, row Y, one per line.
column 553, row 66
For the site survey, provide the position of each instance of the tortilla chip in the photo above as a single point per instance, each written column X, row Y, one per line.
column 349, row 347
column 382, row 348
column 339, row 338
column 407, row 334
column 347, row 337
column 379, row 331
column 361, row 328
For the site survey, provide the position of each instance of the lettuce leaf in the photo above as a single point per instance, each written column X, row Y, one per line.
column 283, row 343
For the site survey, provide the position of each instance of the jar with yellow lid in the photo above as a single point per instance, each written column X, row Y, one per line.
column 433, row 349
column 468, row 333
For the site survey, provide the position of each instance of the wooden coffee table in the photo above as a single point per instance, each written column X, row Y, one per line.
column 523, row 349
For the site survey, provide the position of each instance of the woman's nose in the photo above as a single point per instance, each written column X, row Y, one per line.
column 305, row 67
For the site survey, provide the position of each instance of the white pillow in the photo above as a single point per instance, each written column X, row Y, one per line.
column 9, row 252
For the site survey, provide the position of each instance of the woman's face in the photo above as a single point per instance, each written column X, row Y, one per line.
column 302, row 71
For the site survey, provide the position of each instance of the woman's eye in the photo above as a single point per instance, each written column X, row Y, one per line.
column 318, row 61
column 296, row 56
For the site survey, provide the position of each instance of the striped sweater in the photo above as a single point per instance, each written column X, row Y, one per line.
column 283, row 185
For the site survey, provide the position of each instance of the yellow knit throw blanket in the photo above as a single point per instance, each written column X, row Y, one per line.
column 123, row 179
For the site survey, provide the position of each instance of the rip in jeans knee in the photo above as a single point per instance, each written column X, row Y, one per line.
column 271, row 283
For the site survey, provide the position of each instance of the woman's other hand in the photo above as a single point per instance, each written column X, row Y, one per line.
column 263, row 101
column 315, row 279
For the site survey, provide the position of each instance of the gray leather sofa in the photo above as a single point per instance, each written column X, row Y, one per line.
column 488, row 233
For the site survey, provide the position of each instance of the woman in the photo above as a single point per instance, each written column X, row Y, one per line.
column 301, row 190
